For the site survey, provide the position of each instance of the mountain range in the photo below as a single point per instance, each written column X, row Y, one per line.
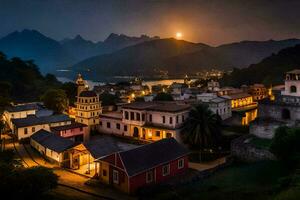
column 50, row 54
column 144, row 55
column 270, row 71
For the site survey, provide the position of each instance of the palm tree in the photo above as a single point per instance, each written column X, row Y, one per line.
column 202, row 129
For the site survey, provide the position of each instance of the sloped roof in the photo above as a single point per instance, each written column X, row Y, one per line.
column 52, row 141
column 102, row 147
column 69, row 126
column 33, row 120
column 23, row 107
column 150, row 155
column 167, row 106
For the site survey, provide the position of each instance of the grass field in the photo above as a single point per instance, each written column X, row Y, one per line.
column 258, row 181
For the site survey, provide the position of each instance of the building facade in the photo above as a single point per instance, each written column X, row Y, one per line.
column 143, row 166
column 25, row 127
column 88, row 106
column 146, row 120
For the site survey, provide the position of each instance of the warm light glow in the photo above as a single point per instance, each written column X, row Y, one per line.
column 178, row 35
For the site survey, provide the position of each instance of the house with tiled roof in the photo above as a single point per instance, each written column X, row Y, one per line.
column 143, row 166
column 146, row 120
column 51, row 146
column 25, row 127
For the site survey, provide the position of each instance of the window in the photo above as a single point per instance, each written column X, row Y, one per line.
column 182, row 118
column 100, row 123
column 138, row 116
column 143, row 117
column 131, row 115
column 25, row 131
column 168, row 135
column 157, row 133
column 166, row 170
column 126, row 115
column 180, row 163
column 125, row 127
column 149, row 176
column 163, row 119
column 150, row 118
column 104, row 172
column 293, row 89
column 171, row 120
column 108, row 124
column 115, row 177
column 33, row 129
column 118, row 126
column 177, row 119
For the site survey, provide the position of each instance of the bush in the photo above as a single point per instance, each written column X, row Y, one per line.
column 286, row 144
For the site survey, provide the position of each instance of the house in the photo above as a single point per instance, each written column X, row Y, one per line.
column 82, row 156
column 220, row 105
column 25, row 127
column 19, row 111
column 51, row 146
column 146, row 120
column 143, row 166
column 241, row 100
column 75, row 131
column 258, row 92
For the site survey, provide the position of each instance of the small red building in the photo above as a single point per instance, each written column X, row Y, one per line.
column 76, row 131
column 145, row 165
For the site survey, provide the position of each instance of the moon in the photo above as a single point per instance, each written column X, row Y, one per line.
column 178, row 35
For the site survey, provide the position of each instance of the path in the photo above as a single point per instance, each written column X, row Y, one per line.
column 207, row 165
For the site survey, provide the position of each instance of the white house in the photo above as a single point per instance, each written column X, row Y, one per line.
column 25, row 127
column 51, row 146
column 146, row 120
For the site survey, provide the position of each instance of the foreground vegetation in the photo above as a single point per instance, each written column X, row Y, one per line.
column 257, row 181
column 18, row 182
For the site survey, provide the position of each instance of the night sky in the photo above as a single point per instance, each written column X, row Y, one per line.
column 212, row 21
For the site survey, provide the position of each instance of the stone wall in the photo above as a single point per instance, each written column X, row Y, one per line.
column 243, row 150
column 265, row 128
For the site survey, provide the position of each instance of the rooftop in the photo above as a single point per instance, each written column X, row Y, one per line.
column 239, row 95
column 23, row 107
column 33, row 120
column 102, row 147
column 146, row 157
column 167, row 106
column 69, row 126
column 113, row 115
column 295, row 71
column 52, row 141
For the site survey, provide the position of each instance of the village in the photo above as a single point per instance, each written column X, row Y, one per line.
column 138, row 143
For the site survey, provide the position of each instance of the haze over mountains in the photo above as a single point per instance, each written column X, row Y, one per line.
column 144, row 55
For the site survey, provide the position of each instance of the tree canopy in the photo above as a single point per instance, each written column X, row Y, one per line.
column 163, row 97
column 202, row 130
column 56, row 100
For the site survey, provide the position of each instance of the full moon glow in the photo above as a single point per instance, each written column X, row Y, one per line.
column 178, row 35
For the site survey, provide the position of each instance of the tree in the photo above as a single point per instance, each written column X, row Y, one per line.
column 202, row 128
column 108, row 99
column 56, row 100
column 286, row 144
column 71, row 91
column 163, row 97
